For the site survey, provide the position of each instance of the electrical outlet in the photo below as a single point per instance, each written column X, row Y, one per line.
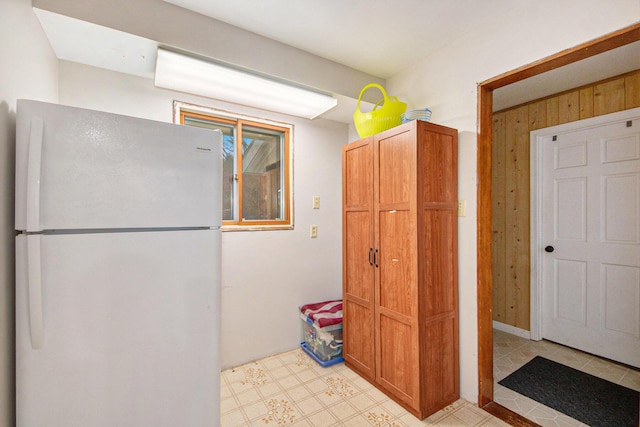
column 314, row 231
column 316, row 202
column 462, row 208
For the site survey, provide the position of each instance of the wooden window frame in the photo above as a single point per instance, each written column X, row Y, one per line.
column 182, row 110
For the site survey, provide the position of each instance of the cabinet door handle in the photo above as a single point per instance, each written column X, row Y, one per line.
column 375, row 258
column 370, row 250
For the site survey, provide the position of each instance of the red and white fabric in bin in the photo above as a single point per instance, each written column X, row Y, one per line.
column 323, row 329
column 325, row 313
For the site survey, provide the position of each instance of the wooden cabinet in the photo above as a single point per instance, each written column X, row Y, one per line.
column 400, row 308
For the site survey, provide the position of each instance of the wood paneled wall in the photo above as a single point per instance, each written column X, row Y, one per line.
column 510, row 190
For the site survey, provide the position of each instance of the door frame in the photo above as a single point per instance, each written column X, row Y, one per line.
column 535, row 139
column 605, row 43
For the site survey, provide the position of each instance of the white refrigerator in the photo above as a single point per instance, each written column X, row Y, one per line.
column 117, row 270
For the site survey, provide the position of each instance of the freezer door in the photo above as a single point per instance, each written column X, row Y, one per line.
column 128, row 331
column 83, row 169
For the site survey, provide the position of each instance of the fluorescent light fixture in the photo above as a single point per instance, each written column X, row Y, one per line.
column 199, row 77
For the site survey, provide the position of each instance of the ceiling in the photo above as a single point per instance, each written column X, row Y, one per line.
column 378, row 37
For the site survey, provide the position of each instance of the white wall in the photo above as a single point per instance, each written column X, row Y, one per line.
column 266, row 275
column 447, row 81
column 28, row 70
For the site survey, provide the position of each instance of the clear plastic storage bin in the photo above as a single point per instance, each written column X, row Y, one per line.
column 324, row 344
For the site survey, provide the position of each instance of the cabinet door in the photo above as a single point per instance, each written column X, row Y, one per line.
column 358, row 252
column 396, row 273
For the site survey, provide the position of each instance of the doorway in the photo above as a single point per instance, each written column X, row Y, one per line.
column 484, row 238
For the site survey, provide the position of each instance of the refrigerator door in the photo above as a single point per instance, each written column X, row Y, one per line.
column 126, row 329
column 81, row 169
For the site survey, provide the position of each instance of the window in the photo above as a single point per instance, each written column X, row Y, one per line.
column 255, row 171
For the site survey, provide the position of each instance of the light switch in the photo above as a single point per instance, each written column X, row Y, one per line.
column 462, row 208
column 314, row 231
column 316, row 202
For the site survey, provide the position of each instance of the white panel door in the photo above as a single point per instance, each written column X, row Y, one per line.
column 123, row 330
column 590, row 248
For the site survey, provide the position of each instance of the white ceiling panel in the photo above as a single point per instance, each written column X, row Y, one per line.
column 379, row 37
column 79, row 41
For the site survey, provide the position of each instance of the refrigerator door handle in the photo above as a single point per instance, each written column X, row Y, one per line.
column 34, row 283
column 33, row 173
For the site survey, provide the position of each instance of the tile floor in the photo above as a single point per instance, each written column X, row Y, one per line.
column 291, row 389
column 510, row 352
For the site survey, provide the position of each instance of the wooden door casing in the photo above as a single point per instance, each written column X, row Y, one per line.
column 485, row 246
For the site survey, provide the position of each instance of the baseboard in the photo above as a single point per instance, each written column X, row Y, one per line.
column 511, row 330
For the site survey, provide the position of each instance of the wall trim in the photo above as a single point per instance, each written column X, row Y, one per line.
column 513, row 330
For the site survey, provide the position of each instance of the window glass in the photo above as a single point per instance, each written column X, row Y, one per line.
column 256, row 169
column 262, row 178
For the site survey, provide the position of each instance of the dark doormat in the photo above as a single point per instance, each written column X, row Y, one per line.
column 586, row 398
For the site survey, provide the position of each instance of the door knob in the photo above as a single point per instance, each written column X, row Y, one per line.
column 549, row 249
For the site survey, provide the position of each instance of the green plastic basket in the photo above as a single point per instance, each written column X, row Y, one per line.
column 380, row 119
